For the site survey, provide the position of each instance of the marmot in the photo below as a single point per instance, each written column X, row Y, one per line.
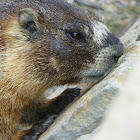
column 46, row 43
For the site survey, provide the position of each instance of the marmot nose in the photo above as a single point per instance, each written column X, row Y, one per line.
column 116, row 57
column 119, row 51
column 117, row 45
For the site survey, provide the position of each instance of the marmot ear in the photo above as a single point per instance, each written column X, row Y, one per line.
column 27, row 19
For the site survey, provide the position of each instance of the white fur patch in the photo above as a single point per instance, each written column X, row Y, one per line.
column 24, row 126
column 57, row 90
column 100, row 32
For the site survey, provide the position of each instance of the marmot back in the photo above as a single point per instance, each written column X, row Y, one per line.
column 47, row 43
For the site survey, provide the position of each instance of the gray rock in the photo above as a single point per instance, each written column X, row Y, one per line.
column 138, row 38
column 123, row 116
column 85, row 115
column 122, row 121
column 132, row 34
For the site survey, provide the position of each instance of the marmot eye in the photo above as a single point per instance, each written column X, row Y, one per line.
column 75, row 35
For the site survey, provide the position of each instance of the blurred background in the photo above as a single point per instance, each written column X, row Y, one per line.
column 118, row 15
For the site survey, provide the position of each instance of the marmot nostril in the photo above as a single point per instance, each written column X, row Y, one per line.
column 119, row 51
column 116, row 57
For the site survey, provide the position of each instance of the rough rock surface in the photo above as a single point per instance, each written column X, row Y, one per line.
column 85, row 115
column 132, row 35
column 122, row 121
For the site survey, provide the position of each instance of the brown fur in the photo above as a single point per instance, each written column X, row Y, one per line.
column 34, row 62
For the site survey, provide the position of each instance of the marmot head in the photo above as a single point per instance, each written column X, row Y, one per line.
column 50, row 42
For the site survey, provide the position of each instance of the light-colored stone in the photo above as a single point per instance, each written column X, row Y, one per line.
column 85, row 115
column 122, row 121
column 138, row 38
column 132, row 34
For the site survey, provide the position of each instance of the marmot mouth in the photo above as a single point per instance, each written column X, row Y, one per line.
column 94, row 76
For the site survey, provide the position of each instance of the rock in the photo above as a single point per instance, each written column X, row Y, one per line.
column 132, row 35
column 122, row 120
column 85, row 115
column 138, row 38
